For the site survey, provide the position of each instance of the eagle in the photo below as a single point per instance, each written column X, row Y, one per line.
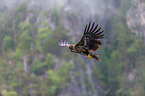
column 89, row 42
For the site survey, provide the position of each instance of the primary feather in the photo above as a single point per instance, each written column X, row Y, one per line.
column 92, row 35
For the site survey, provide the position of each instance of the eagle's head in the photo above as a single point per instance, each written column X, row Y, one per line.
column 71, row 47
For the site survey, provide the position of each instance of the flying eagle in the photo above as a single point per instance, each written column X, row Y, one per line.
column 89, row 42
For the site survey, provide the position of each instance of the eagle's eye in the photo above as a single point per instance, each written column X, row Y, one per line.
column 71, row 47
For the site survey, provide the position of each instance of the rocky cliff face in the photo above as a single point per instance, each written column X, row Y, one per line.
column 136, row 19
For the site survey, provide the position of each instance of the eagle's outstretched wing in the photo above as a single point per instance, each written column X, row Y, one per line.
column 90, row 37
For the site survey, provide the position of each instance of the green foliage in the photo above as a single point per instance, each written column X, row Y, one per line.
column 43, row 33
column 24, row 26
column 9, row 93
column 67, row 66
column 42, row 36
column 49, row 61
column 25, row 42
column 120, row 58
column 38, row 67
column 29, row 42
column 8, row 43
column 17, row 54
column 133, row 50
column 56, row 78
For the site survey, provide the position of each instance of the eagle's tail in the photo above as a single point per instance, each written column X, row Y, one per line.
column 91, row 55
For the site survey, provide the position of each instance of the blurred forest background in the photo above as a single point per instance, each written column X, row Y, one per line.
column 32, row 63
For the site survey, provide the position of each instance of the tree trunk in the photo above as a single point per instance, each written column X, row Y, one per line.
column 25, row 64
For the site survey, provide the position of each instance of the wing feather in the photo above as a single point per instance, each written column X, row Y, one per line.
column 92, row 34
column 95, row 28
column 97, row 31
column 85, row 29
column 92, row 27
column 89, row 27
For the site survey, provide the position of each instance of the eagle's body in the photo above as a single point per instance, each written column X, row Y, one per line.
column 89, row 42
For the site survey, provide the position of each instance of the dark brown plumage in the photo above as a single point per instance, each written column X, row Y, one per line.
column 89, row 42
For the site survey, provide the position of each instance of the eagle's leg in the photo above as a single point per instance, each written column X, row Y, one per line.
column 86, row 52
column 91, row 55
column 97, row 55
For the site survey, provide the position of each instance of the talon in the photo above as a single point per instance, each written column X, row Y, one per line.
column 99, row 59
column 89, row 56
